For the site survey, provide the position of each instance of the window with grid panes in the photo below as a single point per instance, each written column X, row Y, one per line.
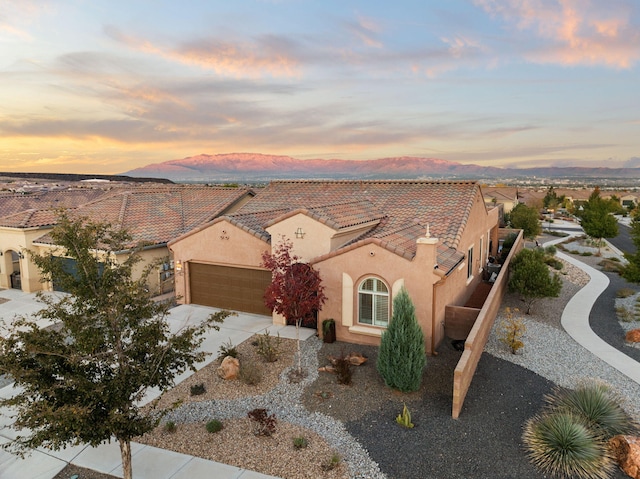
column 373, row 303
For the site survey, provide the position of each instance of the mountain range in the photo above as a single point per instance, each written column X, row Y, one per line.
column 251, row 167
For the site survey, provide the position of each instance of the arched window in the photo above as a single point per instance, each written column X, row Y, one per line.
column 373, row 303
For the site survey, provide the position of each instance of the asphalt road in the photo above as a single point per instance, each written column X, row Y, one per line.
column 623, row 241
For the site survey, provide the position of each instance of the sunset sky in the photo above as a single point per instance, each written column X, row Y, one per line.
column 93, row 86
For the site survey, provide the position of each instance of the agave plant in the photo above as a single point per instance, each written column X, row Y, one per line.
column 562, row 445
column 598, row 405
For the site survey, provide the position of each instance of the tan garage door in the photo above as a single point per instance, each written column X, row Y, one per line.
column 238, row 289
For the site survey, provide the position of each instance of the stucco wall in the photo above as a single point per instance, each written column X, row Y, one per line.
column 19, row 240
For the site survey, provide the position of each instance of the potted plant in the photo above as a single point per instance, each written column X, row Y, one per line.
column 328, row 330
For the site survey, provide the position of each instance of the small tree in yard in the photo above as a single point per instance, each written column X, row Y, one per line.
column 524, row 218
column 530, row 277
column 401, row 358
column 296, row 289
column 81, row 381
column 596, row 218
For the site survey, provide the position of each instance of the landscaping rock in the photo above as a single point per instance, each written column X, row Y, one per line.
column 633, row 336
column 230, row 368
column 626, row 450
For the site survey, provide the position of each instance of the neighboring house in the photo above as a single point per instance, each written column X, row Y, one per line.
column 497, row 195
column 367, row 239
column 152, row 216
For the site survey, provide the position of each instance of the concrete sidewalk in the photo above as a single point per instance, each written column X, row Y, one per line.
column 148, row 462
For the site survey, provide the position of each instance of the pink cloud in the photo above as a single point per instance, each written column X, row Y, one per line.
column 574, row 32
column 268, row 55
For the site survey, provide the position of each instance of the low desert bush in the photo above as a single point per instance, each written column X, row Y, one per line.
column 598, row 405
column 610, row 266
column 263, row 423
column 624, row 293
column 250, row 373
column 331, row 463
column 343, row 369
column 511, row 331
column 214, row 426
column 268, row 347
column 561, row 445
column 197, row 389
column 300, row 442
column 227, row 349
column 624, row 314
column 170, row 427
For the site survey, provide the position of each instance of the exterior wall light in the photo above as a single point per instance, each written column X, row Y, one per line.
column 178, row 265
column 20, row 255
column 300, row 233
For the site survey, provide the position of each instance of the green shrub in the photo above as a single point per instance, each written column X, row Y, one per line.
column 332, row 463
column 625, row 293
column 170, row 427
column 268, row 347
column 597, row 405
column 250, row 373
column 404, row 418
column 550, row 250
column 214, row 426
column 624, row 314
column 401, row 357
column 197, row 389
column 300, row 442
column 560, row 444
column 227, row 349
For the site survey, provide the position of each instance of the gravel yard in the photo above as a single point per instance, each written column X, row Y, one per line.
column 358, row 421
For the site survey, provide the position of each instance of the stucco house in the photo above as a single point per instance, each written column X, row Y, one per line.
column 150, row 215
column 367, row 239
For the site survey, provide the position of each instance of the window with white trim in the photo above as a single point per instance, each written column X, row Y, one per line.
column 470, row 263
column 373, row 303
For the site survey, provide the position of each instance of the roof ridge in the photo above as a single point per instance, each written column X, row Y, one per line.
column 123, row 208
column 382, row 181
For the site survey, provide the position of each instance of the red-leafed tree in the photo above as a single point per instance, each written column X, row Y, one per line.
column 296, row 290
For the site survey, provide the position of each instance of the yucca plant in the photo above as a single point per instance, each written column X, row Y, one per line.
column 598, row 405
column 562, row 445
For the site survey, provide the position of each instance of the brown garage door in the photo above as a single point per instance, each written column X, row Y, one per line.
column 238, row 289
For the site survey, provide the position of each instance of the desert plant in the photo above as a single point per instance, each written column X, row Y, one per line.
column 170, row 427
column 624, row 314
column 263, row 423
column 214, row 426
column 511, row 331
column 332, row 462
column 404, row 418
column 401, row 357
column 530, row 277
column 551, row 250
column 227, row 349
column 197, row 389
column 597, row 405
column 268, row 347
column 300, row 442
column 343, row 369
column 250, row 373
column 624, row 293
column 560, row 444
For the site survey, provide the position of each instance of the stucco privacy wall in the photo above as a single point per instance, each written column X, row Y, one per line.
column 474, row 345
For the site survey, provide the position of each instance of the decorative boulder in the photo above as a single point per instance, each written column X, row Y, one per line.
column 229, row 368
column 633, row 336
column 626, row 450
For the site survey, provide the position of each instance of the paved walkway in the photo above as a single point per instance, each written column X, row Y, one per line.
column 575, row 318
column 148, row 462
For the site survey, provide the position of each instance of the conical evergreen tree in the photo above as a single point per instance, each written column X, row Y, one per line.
column 401, row 358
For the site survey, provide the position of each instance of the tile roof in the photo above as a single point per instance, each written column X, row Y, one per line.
column 15, row 203
column 340, row 215
column 404, row 208
column 155, row 216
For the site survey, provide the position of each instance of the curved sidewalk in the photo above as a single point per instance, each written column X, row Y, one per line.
column 575, row 321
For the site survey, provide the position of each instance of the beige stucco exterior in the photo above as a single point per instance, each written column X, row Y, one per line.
column 344, row 269
column 20, row 240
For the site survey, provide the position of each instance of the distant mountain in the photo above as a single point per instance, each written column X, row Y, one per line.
column 251, row 167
